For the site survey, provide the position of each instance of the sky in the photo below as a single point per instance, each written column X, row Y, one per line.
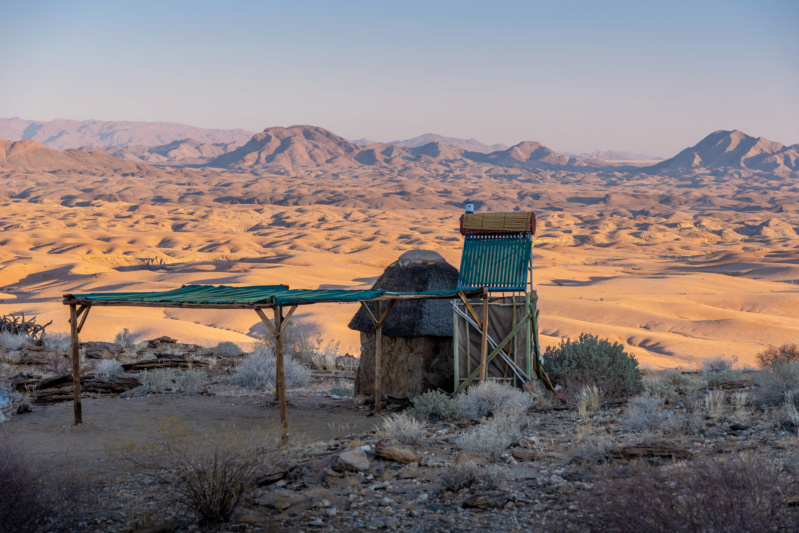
column 576, row 75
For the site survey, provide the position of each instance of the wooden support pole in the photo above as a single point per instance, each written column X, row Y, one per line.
column 73, row 321
column 85, row 309
column 280, row 378
column 378, row 364
column 484, row 343
column 455, row 346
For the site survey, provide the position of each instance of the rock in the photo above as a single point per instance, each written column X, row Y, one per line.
column 101, row 350
column 399, row 454
column 465, row 423
column 279, row 499
column 739, row 427
column 523, row 455
column 410, row 471
column 354, row 460
column 489, row 500
column 386, row 501
column 462, row 458
column 323, row 504
column 331, row 512
column 652, row 450
column 135, row 392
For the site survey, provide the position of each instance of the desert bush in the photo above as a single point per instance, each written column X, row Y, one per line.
column 165, row 380
column 460, row 476
column 403, row 428
column 468, row 475
column 789, row 405
column 740, row 400
column 125, row 338
column 490, row 439
column 57, row 341
column 592, row 361
column 226, row 348
column 491, row 397
column 646, row 413
column 433, row 406
column 258, row 371
column 667, row 383
column 347, row 363
column 204, row 476
column 589, row 400
column 299, row 341
column 775, row 380
column 31, row 502
column 341, row 390
column 743, row 493
column 714, row 403
column 322, row 361
column 722, row 363
column 12, row 341
column 108, row 367
column 786, row 352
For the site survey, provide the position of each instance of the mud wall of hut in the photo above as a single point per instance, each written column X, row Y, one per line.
column 410, row 365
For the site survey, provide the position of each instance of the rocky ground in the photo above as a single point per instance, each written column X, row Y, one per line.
column 559, row 465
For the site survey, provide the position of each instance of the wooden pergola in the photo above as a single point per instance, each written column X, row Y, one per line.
column 260, row 299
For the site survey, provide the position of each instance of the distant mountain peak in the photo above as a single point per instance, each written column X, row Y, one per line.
column 734, row 149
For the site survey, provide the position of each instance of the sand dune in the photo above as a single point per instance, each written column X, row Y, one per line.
column 676, row 267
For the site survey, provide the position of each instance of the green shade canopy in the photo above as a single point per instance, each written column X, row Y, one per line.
column 262, row 296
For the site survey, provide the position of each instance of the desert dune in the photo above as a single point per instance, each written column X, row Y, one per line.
column 678, row 262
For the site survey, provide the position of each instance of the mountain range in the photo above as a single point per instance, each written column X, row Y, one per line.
column 308, row 147
column 62, row 134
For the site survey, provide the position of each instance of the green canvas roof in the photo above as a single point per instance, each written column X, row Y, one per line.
column 263, row 295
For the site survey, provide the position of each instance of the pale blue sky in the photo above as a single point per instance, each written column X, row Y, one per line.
column 576, row 75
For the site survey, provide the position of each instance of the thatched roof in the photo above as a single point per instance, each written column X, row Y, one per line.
column 415, row 271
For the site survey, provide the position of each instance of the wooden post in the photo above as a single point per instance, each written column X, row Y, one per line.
column 73, row 321
column 455, row 351
column 280, row 378
column 484, row 345
column 378, row 364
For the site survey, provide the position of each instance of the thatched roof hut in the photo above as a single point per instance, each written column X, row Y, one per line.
column 417, row 334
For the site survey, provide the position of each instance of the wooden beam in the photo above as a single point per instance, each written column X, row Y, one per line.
column 280, row 378
column 369, row 313
column 267, row 322
column 378, row 367
column 471, row 310
column 73, row 320
column 385, row 314
column 484, row 343
column 286, row 318
column 86, row 310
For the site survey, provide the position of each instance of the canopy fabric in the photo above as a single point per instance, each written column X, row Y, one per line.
column 497, row 262
column 266, row 295
column 304, row 296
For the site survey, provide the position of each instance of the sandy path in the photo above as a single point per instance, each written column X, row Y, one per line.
column 49, row 438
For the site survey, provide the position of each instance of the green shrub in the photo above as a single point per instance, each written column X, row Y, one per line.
column 592, row 361
column 226, row 348
column 433, row 406
column 341, row 390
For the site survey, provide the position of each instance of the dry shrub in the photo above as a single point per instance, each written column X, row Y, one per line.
column 468, row 475
column 403, row 428
column 722, row 363
column 166, row 380
column 205, row 476
column 259, row 369
column 108, row 367
column 12, row 341
column 776, row 380
column 714, row 403
column 32, row 502
column 227, row 348
column 646, row 413
column 490, row 439
column 787, row 352
column 125, row 339
column 741, row 493
column 589, row 400
column 492, row 397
